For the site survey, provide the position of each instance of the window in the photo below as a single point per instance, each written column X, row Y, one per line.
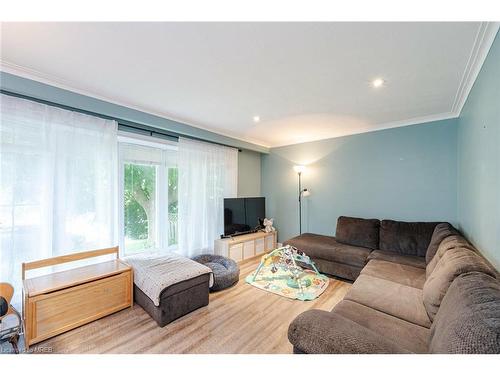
column 149, row 194
column 139, row 206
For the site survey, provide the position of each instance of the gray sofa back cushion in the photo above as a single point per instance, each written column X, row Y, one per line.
column 358, row 232
column 454, row 262
column 441, row 231
column 468, row 320
column 406, row 238
column 446, row 244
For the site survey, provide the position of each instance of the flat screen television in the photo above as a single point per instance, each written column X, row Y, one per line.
column 243, row 215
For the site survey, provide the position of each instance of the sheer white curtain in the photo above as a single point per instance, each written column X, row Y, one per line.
column 57, row 183
column 208, row 173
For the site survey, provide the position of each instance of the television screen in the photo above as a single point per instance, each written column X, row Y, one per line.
column 241, row 215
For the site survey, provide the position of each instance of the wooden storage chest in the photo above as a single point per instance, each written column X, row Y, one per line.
column 61, row 301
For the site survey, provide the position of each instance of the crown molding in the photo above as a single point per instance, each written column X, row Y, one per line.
column 484, row 39
column 384, row 126
column 63, row 84
column 48, row 80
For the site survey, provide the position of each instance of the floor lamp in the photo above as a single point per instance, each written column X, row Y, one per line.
column 302, row 192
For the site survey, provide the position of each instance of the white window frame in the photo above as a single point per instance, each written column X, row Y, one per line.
column 161, row 186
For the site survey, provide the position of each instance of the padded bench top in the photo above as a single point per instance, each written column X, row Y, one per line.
column 153, row 273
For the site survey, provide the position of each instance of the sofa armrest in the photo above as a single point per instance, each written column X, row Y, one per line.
column 323, row 332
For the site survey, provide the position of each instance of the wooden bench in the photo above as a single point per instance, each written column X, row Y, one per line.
column 60, row 301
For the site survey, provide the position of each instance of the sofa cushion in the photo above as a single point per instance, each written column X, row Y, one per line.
column 453, row 263
column 446, row 244
column 344, row 271
column 401, row 301
column 358, row 232
column 406, row 238
column 406, row 335
column 328, row 248
column 322, row 332
column 399, row 273
column 389, row 256
column 468, row 320
column 441, row 231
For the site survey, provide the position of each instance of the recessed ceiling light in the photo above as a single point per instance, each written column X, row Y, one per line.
column 378, row 82
column 256, row 119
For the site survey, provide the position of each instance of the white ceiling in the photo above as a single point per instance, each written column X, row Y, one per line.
column 306, row 81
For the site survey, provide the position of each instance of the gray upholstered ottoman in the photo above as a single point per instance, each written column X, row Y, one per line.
column 177, row 300
column 168, row 286
column 225, row 271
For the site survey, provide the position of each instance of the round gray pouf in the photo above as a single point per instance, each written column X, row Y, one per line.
column 226, row 271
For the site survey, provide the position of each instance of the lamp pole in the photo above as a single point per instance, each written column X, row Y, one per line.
column 300, row 203
column 302, row 192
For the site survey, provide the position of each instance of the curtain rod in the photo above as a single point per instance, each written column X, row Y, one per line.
column 124, row 125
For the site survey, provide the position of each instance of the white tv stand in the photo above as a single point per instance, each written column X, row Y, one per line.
column 246, row 246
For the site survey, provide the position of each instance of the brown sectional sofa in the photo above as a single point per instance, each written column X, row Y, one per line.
column 426, row 290
column 358, row 240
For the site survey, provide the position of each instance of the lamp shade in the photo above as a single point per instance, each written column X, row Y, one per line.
column 306, row 193
column 299, row 168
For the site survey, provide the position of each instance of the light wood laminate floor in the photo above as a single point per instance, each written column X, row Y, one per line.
column 242, row 319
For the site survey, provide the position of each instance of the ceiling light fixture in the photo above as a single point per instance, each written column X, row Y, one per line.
column 378, row 82
column 256, row 119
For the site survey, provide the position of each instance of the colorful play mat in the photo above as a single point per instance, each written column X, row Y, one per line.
column 279, row 272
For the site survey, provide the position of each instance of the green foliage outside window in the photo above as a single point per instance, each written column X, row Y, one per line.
column 139, row 200
column 140, row 206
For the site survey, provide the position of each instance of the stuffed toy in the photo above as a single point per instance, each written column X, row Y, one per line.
column 268, row 225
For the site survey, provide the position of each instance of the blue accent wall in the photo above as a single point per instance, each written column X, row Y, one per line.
column 479, row 160
column 248, row 174
column 406, row 173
